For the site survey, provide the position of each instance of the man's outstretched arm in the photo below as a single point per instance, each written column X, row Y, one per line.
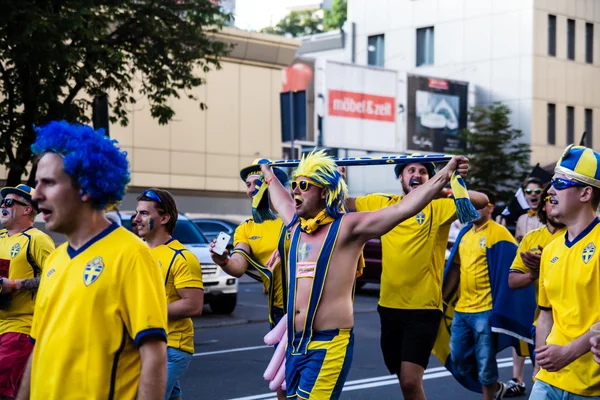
column 375, row 224
column 281, row 199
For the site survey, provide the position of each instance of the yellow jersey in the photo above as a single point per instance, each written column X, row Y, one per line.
column 412, row 257
column 22, row 256
column 570, row 286
column 181, row 270
column 475, row 290
column 94, row 306
column 263, row 240
column 530, row 242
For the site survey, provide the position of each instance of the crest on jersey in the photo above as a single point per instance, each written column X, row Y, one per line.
column 15, row 250
column 254, row 237
column 92, row 271
column 420, row 218
column 482, row 242
column 588, row 252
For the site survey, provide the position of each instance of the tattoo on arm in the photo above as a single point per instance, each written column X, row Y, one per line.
column 31, row 284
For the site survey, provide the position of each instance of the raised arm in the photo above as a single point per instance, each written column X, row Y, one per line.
column 479, row 200
column 371, row 225
column 281, row 199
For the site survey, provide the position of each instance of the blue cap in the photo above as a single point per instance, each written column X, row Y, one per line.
column 581, row 164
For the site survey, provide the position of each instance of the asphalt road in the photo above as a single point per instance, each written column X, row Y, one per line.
column 231, row 356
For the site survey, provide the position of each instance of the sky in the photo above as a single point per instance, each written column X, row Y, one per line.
column 256, row 14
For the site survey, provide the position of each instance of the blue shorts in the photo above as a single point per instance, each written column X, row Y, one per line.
column 543, row 391
column 322, row 372
column 472, row 331
column 177, row 363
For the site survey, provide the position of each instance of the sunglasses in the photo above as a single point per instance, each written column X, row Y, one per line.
column 8, row 203
column 303, row 185
column 152, row 195
column 561, row 184
column 536, row 191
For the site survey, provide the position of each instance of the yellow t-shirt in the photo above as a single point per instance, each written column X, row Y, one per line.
column 180, row 270
column 530, row 242
column 412, row 272
column 570, row 286
column 22, row 256
column 475, row 290
column 263, row 240
column 93, row 307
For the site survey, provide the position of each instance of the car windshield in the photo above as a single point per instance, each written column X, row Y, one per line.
column 185, row 231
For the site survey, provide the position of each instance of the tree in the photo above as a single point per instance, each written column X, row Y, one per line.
column 297, row 23
column 335, row 18
column 55, row 56
column 498, row 158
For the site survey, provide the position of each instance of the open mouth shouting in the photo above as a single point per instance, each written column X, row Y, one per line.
column 298, row 201
column 534, row 201
column 46, row 213
column 415, row 183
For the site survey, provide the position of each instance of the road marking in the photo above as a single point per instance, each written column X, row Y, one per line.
column 430, row 373
column 210, row 353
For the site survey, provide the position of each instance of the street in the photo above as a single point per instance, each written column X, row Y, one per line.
column 231, row 356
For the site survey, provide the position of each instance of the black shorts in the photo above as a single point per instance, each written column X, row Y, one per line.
column 407, row 335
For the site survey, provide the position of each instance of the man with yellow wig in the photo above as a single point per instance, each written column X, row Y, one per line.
column 325, row 248
column 569, row 283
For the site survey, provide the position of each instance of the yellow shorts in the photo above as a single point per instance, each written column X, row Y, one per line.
column 321, row 373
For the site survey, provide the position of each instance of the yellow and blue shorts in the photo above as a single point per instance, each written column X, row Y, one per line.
column 320, row 374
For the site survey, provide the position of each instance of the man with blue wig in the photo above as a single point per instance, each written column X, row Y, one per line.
column 100, row 319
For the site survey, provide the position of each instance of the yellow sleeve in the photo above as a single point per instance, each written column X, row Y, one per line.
column 41, row 247
column 241, row 233
column 143, row 305
column 518, row 264
column 543, row 301
column 445, row 209
column 374, row 202
column 187, row 272
column 36, row 311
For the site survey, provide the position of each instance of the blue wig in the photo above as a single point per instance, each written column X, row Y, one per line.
column 91, row 159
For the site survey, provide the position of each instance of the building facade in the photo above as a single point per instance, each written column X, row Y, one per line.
column 540, row 57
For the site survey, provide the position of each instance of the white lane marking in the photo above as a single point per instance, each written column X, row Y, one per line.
column 210, row 353
column 430, row 373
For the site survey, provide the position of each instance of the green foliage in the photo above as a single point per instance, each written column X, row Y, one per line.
column 297, row 23
column 498, row 158
column 309, row 22
column 56, row 55
column 335, row 18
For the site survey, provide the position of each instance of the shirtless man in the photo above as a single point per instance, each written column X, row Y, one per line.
column 324, row 252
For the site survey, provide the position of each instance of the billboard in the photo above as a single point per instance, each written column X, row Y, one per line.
column 359, row 110
column 437, row 111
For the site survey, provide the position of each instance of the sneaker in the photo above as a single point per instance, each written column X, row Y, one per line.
column 501, row 392
column 514, row 388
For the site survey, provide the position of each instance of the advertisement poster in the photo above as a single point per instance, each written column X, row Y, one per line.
column 437, row 112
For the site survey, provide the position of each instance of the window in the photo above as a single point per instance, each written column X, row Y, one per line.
column 376, row 51
column 552, row 35
column 551, row 123
column 589, row 123
column 589, row 43
column 571, row 39
column 425, row 46
column 570, row 125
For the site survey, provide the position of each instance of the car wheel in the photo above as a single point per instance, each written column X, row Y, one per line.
column 224, row 305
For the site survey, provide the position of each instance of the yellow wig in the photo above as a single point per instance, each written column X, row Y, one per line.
column 320, row 168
